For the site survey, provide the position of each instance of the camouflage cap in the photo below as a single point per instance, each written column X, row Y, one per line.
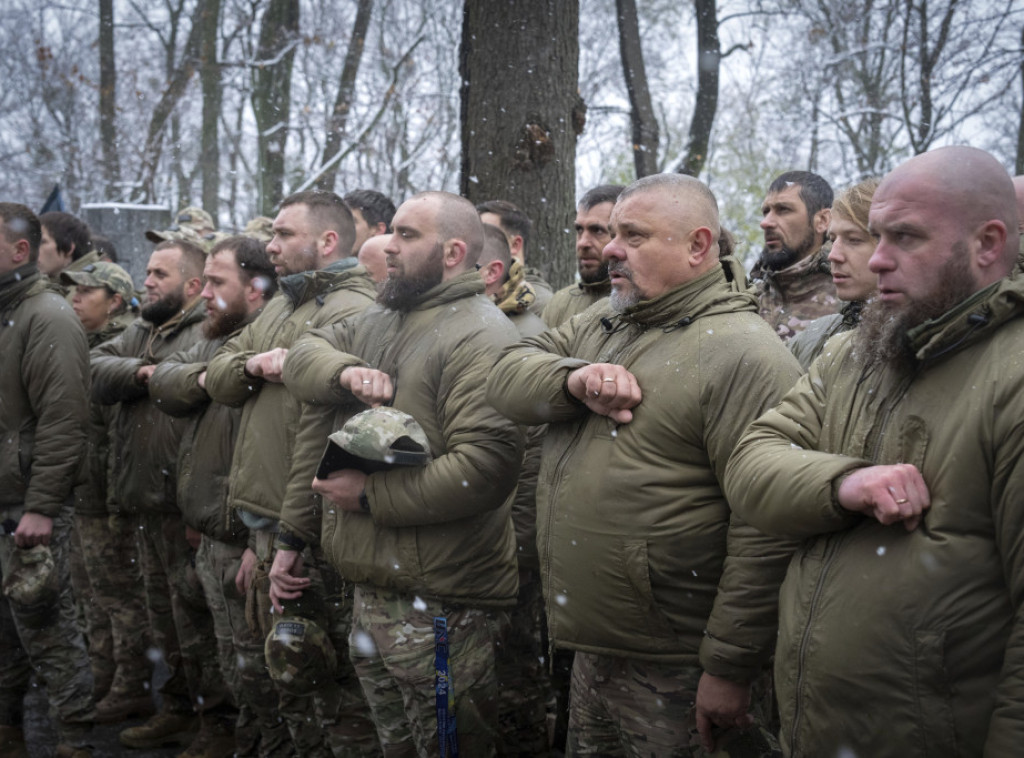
column 376, row 440
column 300, row 656
column 33, row 578
column 261, row 228
column 103, row 274
column 205, row 241
column 194, row 218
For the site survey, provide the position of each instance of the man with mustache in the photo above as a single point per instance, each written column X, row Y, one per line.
column 592, row 235
column 898, row 461
column 792, row 275
column 667, row 598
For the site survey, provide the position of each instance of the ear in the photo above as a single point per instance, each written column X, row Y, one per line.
column 328, row 243
column 253, row 293
column 193, row 286
column 988, row 244
column 380, row 228
column 21, row 252
column 821, row 221
column 701, row 240
column 454, row 255
column 492, row 272
column 515, row 246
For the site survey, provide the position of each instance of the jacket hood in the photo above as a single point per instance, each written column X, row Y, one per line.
column 973, row 319
column 720, row 290
column 301, row 287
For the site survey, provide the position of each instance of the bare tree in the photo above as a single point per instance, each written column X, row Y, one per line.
column 521, row 115
column 271, row 95
column 1019, row 163
column 642, row 116
column 209, row 75
column 108, row 98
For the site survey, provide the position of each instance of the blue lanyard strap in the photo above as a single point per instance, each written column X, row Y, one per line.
column 444, row 693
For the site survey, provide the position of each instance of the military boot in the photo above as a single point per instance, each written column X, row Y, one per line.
column 12, row 742
column 125, row 700
column 214, row 740
column 165, row 728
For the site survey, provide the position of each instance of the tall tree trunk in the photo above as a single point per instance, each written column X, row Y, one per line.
column 165, row 107
column 271, row 95
column 1019, row 166
column 209, row 75
column 108, row 101
column 709, row 59
column 343, row 102
column 641, row 114
column 520, row 115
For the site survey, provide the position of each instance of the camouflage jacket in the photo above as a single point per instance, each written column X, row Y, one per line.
column 792, row 298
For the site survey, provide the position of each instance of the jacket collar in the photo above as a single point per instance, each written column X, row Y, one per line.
column 305, row 285
column 719, row 290
column 458, row 287
column 799, row 278
column 18, row 284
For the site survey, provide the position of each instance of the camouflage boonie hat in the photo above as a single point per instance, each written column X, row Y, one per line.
column 300, row 656
column 103, row 274
column 33, row 585
column 376, row 440
column 261, row 228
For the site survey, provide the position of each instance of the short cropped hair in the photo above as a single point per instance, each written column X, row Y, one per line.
column 815, row 192
column 70, row 234
column 496, row 249
column 20, row 223
column 252, row 260
column 329, row 213
column 376, row 207
column 513, row 219
column 603, row 193
column 193, row 259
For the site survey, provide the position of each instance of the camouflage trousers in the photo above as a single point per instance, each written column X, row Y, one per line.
column 392, row 647
column 92, row 620
column 259, row 730
column 48, row 643
column 335, row 721
column 180, row 618
column 523, row 682
column 108, row 583
column 641, row 709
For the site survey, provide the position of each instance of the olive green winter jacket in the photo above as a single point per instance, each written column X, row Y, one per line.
column 443, row 530
column 575, row 298
column 144, row 440
column 640, row 553
column 44, row 394
column 897, row 643
column 270, row 416
column 207, row 443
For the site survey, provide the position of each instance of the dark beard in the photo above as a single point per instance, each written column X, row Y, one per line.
column 401, row 293
column 787, row 256
column 164, row 309
column 593, row 277
column 222, row 323
column 882, row 340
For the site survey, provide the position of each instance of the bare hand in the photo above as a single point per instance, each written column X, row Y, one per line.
column 607, row 389
column 243, row 579
column 723, row 703
column 286, row 580
column 193, row 537
column 341, row 489
column 33, row 529
column 268, row 365
column 143, row 374
column 369, row 385
column 886, row 493
column 202, row 381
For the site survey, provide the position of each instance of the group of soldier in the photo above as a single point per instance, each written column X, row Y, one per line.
column 367, row 486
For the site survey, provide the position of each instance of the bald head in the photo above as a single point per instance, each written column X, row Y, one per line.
column 456, row 219
column 371, row 256
column 966, row 186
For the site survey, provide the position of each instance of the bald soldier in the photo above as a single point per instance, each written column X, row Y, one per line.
column 898, row 461
column 667, row 599
column 419, row 543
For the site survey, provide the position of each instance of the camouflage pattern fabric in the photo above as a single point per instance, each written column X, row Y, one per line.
column 640, row 709
column 92, row 619
column 379, row 435
column 259, row 730
column 180, row 618
column 392, row 647
column 516, row 294
column 523, row 681
column 56, row 651
column 792, row 298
